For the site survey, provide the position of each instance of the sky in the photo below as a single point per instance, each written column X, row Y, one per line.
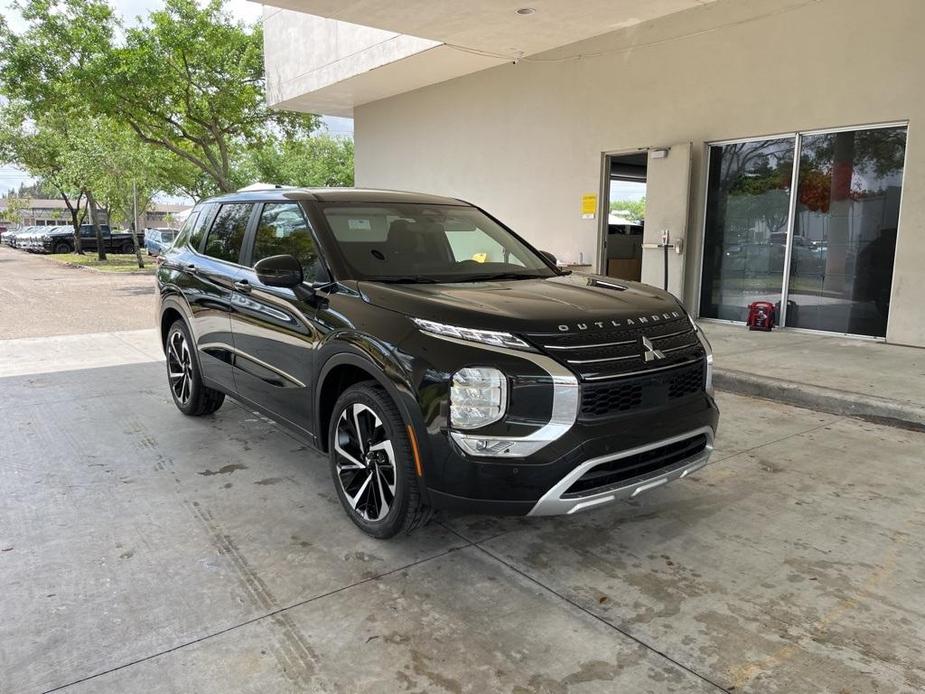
column 130, row 10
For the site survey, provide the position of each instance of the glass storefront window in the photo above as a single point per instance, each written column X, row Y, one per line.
column 844, row 236
column 838, row 260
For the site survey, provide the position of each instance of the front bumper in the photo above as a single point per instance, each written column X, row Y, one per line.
column 539, row 484
column 558, row 500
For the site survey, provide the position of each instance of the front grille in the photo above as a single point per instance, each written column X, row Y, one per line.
column 611, row 398
column 616, row 472
column 597, row 355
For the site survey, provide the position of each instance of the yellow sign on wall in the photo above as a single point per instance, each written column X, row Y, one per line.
column 588, row 205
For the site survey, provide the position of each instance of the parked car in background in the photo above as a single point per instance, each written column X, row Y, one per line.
column 159, row 240
column 61, row 240
column 12, row 238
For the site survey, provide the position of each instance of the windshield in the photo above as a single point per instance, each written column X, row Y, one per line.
column 417, row 243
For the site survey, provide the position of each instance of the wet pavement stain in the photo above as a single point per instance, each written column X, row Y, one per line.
column 267, row 481
column 224, row 470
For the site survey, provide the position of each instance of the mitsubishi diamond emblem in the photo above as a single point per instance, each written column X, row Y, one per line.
column 649, row 353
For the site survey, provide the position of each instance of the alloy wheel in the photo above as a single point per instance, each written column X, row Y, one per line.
column 365, row 462
column 180, row 367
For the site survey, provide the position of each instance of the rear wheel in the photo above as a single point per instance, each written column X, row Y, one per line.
column 372, row 463
column 128, row 247
column 190, row 395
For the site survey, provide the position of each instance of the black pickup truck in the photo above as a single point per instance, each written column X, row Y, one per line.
column 61, row 240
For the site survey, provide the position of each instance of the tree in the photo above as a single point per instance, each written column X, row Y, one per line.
column 321, row 160
column 633, row 210
column 13, row 209
column 191, row 81
column 42, row 148
column 44, row 74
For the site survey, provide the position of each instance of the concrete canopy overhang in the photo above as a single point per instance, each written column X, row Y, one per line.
column 328, row 56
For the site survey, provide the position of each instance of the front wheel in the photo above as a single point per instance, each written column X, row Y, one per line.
column 62, row 247
column 372, row 463
column 191, row 396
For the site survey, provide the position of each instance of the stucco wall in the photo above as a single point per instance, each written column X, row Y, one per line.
column 525, row 140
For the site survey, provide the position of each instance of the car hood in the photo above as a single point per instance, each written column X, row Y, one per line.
column 555, row 304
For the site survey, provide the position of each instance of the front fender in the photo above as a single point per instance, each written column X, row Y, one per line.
column 383, row 365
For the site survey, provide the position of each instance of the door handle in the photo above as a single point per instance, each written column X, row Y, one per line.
column 192, row 269
column 243, row 286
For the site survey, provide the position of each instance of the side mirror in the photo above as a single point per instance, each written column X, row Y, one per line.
column 279, row 271
column 549, row 256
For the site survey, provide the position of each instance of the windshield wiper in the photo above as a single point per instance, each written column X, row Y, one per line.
column 498, row 276
column 406, row 279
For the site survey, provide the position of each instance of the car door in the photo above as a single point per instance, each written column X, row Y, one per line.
column 211, row 272
column 274, row 330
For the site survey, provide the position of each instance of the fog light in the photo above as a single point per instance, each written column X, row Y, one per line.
column 478, row 397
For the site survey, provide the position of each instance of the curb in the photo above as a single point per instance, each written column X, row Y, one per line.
column 906, row 415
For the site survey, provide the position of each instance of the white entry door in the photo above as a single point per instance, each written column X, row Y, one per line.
column 668, row 181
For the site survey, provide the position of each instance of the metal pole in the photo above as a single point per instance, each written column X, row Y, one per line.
column 665, row 248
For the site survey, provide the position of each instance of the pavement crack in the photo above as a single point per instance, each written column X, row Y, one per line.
column 274, row 615
column 600, row 619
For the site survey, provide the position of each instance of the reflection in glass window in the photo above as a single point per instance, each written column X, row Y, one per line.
column 227, row 232
column 198, row 229
column 748, row 203
column 283, row 230
column 844, row 237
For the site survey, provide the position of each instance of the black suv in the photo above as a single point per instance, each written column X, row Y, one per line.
column 435, row 356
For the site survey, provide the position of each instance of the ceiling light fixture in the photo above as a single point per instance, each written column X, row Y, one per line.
column 524, row 11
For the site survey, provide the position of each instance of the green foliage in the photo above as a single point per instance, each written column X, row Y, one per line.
column 633, row 210
column 176, row 105
column 192, row 82
column 315, row 161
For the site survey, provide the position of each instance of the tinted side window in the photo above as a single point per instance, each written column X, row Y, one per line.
column 198, row 230
column 183, row 235
column 227, row 232
column 283, row 230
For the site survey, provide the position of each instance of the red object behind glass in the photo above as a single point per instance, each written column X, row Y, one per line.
column 760, row 315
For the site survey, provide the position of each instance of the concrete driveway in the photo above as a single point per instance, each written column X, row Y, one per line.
column 146, row 551
column 141, row 550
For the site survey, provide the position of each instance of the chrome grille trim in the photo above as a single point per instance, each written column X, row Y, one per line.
column 641, row 372
column 604, row 359
column 601, row 344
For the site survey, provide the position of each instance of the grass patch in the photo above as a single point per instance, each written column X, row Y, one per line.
column 115, row 262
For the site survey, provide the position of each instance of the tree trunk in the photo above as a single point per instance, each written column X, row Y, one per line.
column 94, row 220
column 141, row 263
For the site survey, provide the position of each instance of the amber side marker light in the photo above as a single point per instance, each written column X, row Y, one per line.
column 415, row 452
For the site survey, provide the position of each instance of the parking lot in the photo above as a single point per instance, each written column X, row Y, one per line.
column 144, row 551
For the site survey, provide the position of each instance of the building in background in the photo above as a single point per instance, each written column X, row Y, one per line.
column 53, row 212
column 777, row 141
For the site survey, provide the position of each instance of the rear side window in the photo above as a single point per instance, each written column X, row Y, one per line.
column 283, row 230
column 227, row 232
column 198, row 230
column 184, row 233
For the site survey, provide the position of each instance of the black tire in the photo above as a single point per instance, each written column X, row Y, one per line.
column 191, row 396
column 354, row 463
column 62, row 247
column 128, row 247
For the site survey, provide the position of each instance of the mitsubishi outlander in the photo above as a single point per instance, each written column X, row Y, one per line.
column 437, row 358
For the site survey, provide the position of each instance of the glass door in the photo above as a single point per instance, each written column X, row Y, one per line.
column 745, row 241
column 844, row 235
column 817, row 242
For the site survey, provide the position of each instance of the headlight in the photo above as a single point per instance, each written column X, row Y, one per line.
column 705, row 343
column 488, row 337
column 478, row 397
